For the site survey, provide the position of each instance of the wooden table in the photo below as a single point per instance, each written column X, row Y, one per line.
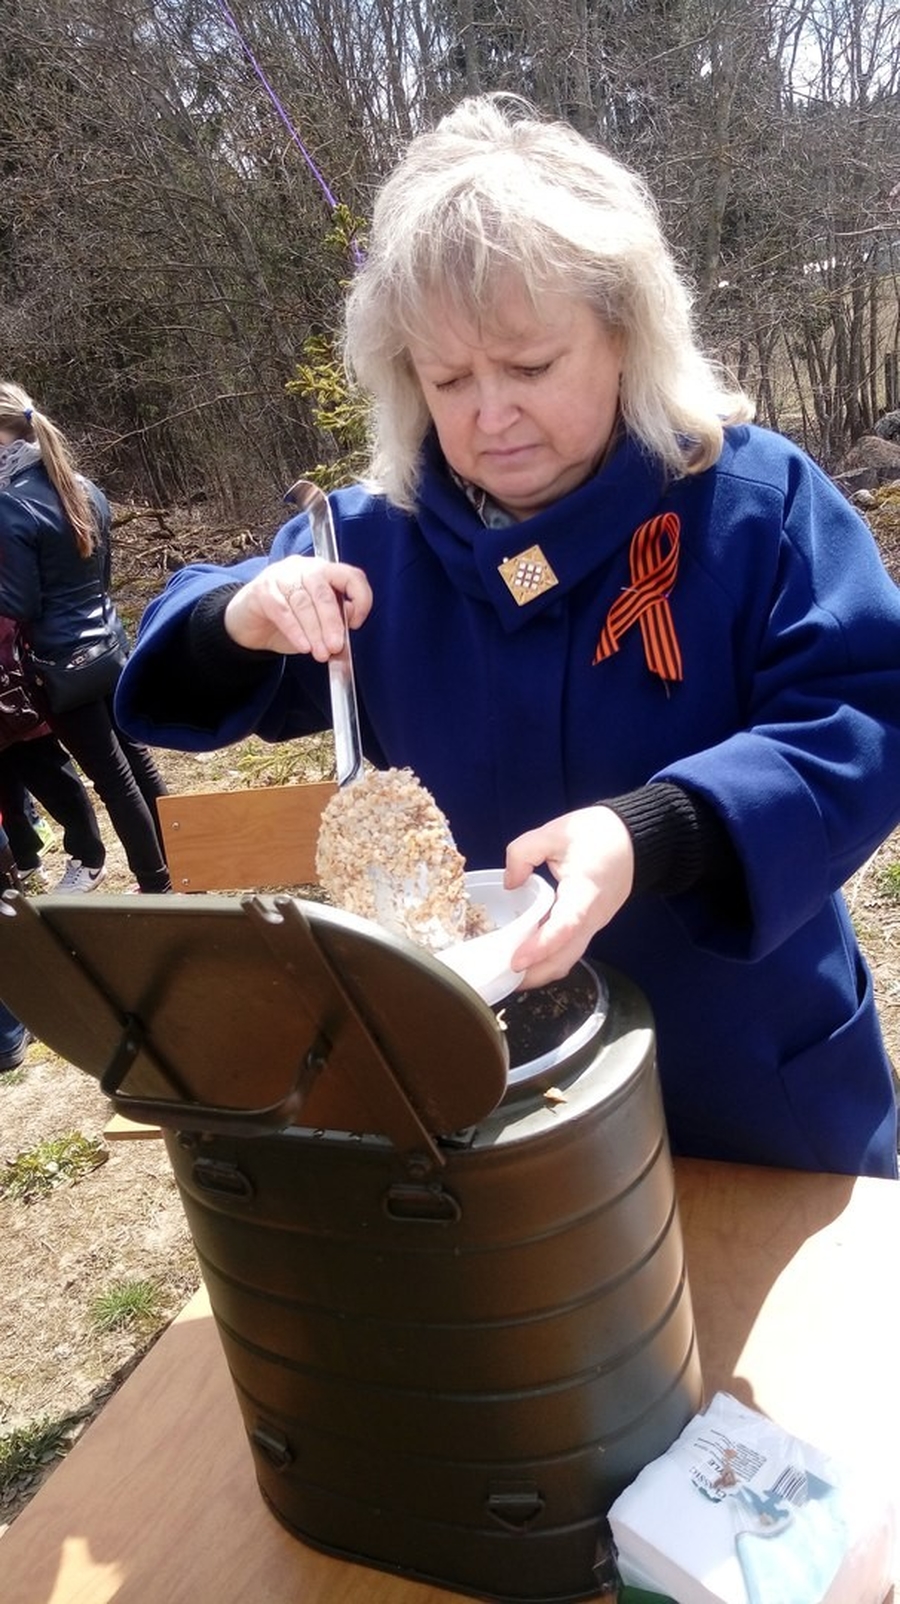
column 794, row 1282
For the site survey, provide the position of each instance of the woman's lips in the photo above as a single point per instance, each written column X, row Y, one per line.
column 507, row 454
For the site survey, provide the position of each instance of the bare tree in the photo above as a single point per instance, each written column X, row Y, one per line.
column 171, row 168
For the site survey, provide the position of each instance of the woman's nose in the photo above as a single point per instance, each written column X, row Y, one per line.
column 496, row 407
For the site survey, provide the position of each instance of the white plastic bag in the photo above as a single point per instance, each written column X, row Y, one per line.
column 740, row 1512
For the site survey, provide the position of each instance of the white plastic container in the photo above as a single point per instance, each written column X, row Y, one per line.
column 484, row 961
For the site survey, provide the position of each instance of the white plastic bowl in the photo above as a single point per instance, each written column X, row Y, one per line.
column 484, row 961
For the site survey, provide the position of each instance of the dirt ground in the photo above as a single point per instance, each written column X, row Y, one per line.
column 123, row 1221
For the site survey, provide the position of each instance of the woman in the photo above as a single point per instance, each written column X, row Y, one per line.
column 619, row 633
column 34, row 764
column 54, row 581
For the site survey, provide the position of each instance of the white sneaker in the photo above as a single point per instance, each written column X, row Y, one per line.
column 78, row 877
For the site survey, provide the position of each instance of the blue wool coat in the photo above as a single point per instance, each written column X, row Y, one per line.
column 787, row 721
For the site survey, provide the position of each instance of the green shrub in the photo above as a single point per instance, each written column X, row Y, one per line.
column 889, row 880
column 340, row 412
column 29, row 1449
column 52, row 1163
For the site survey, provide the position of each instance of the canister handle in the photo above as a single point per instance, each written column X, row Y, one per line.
column 192, row 1116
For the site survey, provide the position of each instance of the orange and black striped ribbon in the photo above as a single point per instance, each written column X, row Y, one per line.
column 653, row 560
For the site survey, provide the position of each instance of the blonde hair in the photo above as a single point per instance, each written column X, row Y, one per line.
column 18, row 412
column 493, row 191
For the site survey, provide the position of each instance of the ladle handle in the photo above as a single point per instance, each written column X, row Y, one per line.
column 344, row 711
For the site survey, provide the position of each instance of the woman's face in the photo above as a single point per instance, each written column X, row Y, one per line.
column 524, row 407
column 8, row 436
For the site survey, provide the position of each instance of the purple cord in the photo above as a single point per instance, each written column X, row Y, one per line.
column 320, row 180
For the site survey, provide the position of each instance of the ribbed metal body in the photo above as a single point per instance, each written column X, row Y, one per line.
column 452, row 1372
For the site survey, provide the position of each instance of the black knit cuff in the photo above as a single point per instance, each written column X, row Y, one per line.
column 678, row 838
column 214, row 654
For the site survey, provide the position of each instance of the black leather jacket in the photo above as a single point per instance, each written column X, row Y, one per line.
column 57, row 596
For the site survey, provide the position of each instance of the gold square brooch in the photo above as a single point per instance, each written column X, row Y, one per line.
column 527, row 575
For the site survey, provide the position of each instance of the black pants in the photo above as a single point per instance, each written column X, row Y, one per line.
column 44, row 769
column 127, row 781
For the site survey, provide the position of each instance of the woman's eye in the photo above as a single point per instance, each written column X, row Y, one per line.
column 447, row 384
column 533, row 372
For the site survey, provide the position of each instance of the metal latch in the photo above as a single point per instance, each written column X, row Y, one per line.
column 428, row 1202
column 215, row 1175
column 515, row 1505
column 273, row 1444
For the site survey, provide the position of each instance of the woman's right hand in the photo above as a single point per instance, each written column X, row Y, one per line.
column 590, row 853
column 299, row 604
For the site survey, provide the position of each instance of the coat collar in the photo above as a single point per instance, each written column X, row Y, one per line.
column 574, row 537
column 16, row 459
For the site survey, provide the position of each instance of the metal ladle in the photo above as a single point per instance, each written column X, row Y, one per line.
column 397, row 899
column 308, row 498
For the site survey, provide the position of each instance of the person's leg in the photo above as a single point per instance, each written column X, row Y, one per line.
column 90, row 736
column 45, row 768
column 24, row 840
column 14, row 1038
column 148, row 779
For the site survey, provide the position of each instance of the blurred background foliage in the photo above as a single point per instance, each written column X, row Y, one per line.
column 171, row 267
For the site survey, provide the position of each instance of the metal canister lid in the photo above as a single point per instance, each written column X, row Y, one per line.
column 213, row 1013
column 551, row 1029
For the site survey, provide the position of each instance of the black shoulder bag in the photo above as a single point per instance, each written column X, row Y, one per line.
column 19, row 717
column 88, row 673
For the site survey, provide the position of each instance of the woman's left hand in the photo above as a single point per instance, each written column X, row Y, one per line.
column 590, row 852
